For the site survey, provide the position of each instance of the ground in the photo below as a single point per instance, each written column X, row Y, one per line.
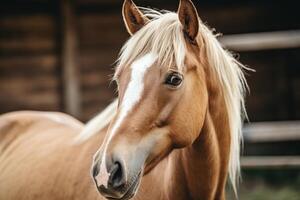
column 269, row 185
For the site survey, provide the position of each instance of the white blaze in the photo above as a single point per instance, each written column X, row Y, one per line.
column 131, row 98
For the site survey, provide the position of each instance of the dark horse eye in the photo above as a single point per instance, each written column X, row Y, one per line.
column 173, row 79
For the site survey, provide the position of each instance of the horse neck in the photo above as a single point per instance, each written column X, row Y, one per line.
column 200, row 170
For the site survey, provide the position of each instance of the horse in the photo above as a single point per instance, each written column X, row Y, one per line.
column 174, row 132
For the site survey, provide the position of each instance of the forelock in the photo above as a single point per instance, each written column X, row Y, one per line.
column 162, row 36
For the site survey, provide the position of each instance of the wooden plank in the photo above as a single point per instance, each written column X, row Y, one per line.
column 36, row 25
column 28, row 44
column 32, row 100
column 47, row 62
column 114, row 35
column 101, row 60
column 44, row 100
column 92, row 97
column 272, row 131
column 92, row 110
column 24, row 85
column 276, row 162
column 71, row 88
column 97, row 77
column 107, row 20
column 262, row 41
column 88, row 2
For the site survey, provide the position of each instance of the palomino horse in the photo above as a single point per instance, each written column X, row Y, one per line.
column 174, row 132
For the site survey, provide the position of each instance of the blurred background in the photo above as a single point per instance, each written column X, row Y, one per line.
column 58, row 56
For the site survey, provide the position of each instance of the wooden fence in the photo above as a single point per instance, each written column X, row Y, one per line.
column 271, row 132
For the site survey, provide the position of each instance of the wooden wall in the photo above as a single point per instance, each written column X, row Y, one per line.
column 29, row 60
column 32, row 39
column 101, row 35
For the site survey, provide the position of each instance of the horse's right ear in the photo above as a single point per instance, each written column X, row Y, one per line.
column 133, row 18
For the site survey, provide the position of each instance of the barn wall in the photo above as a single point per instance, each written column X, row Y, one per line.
column 29, row 62
column 31, row 53
column 101, row 35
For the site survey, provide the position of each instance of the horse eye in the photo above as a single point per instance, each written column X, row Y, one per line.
column 173, row 79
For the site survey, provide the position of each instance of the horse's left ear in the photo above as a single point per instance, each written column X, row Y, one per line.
column 133, row 18
column 188, row 17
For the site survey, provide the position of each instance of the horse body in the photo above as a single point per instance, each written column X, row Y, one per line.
column 39, row 160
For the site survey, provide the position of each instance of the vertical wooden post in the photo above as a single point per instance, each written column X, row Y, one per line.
column 70, row 76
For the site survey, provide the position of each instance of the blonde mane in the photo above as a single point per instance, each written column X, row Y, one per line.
column 163, row 36
column 234, row 86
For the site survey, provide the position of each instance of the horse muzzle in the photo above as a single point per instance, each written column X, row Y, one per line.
column 118, row 183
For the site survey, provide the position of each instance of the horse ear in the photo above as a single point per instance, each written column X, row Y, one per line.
column 188, row 17
column 133, row 18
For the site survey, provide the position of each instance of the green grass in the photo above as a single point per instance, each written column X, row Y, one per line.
column 265, row 192
column 269, row 185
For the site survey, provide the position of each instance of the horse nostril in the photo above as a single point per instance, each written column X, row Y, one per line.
column 95, row 170
column 117, row 177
